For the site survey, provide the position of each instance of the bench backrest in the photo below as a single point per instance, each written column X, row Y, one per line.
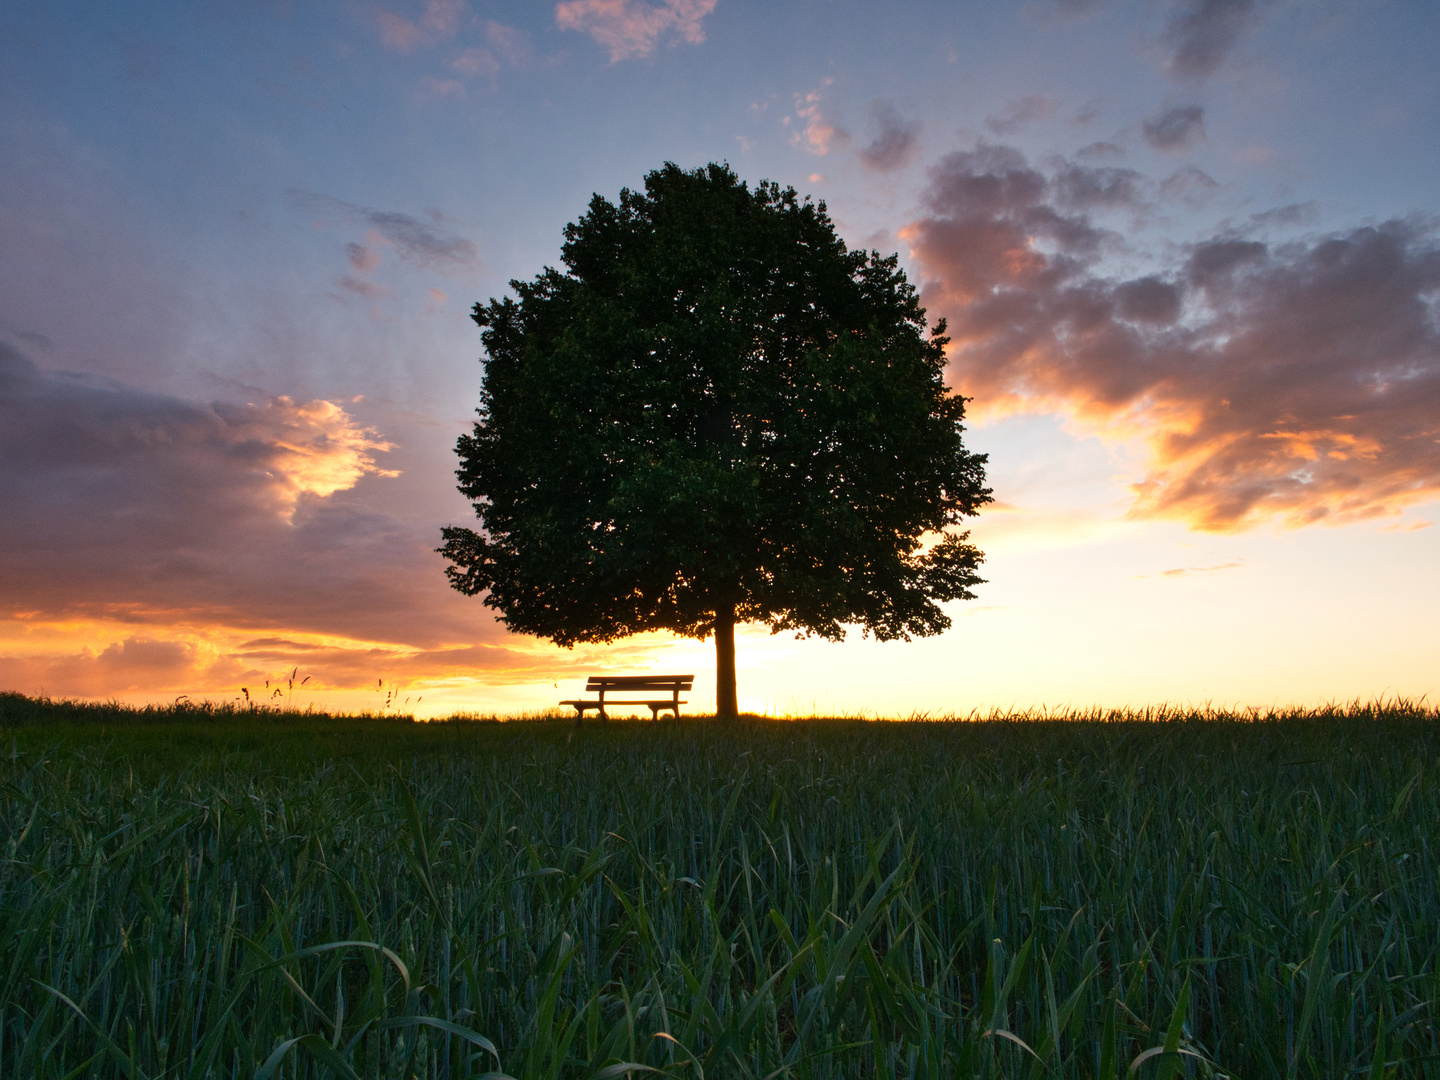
column 672, row 683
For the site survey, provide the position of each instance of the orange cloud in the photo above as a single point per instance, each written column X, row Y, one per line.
column 318, row 448
column 131, row 664
column 153, row 511
column 1297, row 383
column 632, row 28
column 820, row 135
column 294, row 668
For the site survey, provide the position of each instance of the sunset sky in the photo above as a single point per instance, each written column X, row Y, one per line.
column 1188, row 251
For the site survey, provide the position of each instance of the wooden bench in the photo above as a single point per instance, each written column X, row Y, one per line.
column 600, row 685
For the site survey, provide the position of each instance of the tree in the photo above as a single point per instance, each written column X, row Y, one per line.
column 715, row 414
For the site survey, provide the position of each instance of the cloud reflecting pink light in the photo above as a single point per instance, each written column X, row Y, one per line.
column 820, row 134
column 1296, row 382
column 438, row 20
column 632, row 28
column 132, row 505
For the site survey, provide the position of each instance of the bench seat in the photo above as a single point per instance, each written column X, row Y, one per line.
column 600, row 685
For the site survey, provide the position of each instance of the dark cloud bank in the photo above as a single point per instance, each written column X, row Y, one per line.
column 1298, row 382
column 142, row 508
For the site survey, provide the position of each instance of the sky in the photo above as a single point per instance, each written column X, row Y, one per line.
column 1188, row 251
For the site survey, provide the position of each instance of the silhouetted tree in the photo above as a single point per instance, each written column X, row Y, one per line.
column 715, row 414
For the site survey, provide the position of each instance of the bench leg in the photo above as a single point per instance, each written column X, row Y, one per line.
column 580, row 712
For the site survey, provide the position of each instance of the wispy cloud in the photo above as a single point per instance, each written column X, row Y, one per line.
column 1083, row 187
column 1298, row 383
column 436, row 21
column 1075, row 9
column 1192, row 571
column 1176, row 129
column 817, row 132
column 440, row 22
column 1021, row 113
column 427, row 244
column 1199, row 35
column 432, row 86
column 1192, row 187
column 632, row 28
column 1100, row 151
column 504, row 45
column 896, row 142
column 477, row 63
column 423, row 244
column 511, row 43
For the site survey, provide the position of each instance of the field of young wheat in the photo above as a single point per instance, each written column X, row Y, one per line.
column 209, row 893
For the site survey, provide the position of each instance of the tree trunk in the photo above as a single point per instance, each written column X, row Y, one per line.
column 725, row 707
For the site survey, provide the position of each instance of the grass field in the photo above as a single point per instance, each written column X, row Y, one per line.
column 210, row 893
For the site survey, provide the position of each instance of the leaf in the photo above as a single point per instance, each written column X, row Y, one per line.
column 324, row 1052
column 1315, row 965
column 1013, row 1038
column 473, row 1037
column 122, row 1059
column 1108, row 1039
column 272, row 1063
column 1377, row 1062
column 623, row 1068
column 331, row 946
column 1174, row 1032
column 1403, row 798
column 420, row 848
column 1156, row 1051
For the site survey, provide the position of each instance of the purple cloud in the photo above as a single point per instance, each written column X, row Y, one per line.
column 1200, row 35
column 1021, row 113
column 632, row 28
column 1298, row 383
column 1172, row 131
column 142, row 507
column 897, row 142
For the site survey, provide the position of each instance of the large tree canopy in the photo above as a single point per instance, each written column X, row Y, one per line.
column 715, row 413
